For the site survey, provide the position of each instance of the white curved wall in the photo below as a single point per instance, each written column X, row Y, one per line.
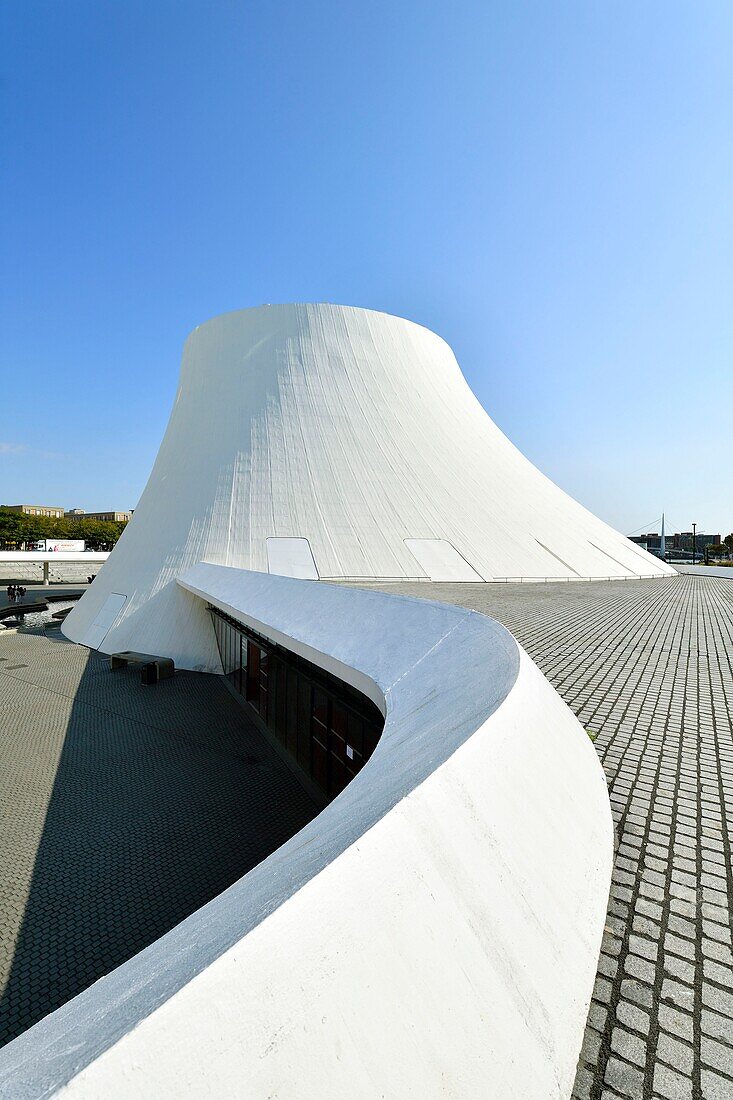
column 450, row 953
column 353, row 430
column 434, row 932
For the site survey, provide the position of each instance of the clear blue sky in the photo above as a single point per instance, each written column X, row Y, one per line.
column 547, row 185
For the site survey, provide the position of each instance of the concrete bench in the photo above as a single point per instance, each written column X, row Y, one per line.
column 152, row 669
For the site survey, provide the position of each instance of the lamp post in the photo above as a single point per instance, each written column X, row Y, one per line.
column 694, row 541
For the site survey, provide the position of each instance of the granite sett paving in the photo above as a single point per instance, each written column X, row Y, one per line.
column 647, row 667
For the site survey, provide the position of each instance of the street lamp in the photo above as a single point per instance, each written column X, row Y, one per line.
column 694, row 541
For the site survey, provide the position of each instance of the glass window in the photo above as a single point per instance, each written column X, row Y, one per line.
column 304, row 722
column 253, row 671
column 319, row 771
column 337, row 729
column 355, row 736
column 326, row 726
column 320, row 707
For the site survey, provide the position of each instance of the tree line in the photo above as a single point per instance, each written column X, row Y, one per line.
column 22, row 532
column 723, row 550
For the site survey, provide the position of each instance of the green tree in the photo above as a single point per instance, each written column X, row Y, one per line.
column 19, row 531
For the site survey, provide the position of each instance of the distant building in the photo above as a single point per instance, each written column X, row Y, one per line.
column 105, row 517
column 680, row 543
column 651, row 542
column 35, row 510
column 683, row 541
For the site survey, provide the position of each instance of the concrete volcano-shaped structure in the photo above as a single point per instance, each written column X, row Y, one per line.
column 332, row 442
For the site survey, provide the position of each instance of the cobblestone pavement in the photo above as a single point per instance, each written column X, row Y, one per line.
column 646, row 665
column 123, row 808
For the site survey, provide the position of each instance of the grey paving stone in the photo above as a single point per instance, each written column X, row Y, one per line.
column 632, row 990
column 583, row 1086
column 671, row 1085
column 676, row 1022
column 624, row 1078
column 675, row 1054
column 632, row 1016
column 647, row 948
column 649, row 909
column 630, row 1047
column 640, row 968
column 603, row 990
column 680, row 995
column 718, row 999
column 718, row 1026
column 718, row 972
column 597, row 1016
column 715, row 1087
column 607, row 965
column 680, row 944
column 680, row 969
column 716, row 932
column 717, row 1055
column 591, row 1046
column 611, row 945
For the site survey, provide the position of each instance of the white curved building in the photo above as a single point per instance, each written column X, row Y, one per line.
column 434, row 930
column 322, row 441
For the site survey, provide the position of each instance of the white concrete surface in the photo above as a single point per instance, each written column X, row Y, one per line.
column 291, row 558
column 434, row 932
column 353, row 430
column 725, row 572
column 104, row 619
column 440, row 561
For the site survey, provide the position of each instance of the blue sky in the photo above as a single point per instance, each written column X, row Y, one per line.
column 547, row 185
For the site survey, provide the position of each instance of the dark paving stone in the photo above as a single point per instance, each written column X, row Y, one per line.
column 123, row 808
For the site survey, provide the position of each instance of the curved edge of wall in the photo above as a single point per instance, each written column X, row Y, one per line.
column 434, row 931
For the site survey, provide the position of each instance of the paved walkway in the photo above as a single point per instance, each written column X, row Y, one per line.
column 646, row 665
column 123, row 808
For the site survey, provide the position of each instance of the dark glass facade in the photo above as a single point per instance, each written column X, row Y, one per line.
column 325, row 725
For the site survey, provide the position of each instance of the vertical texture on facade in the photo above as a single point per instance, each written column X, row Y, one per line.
column 349, row 428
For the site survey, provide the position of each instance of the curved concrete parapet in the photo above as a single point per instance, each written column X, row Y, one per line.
column 433, row 932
